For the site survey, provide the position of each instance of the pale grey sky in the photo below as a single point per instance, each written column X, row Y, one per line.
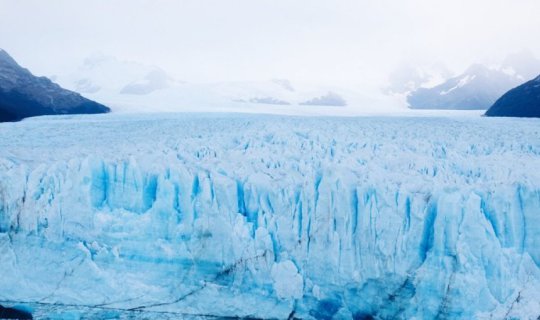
column 339, row 41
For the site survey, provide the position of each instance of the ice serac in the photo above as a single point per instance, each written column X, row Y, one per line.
column 274, row 217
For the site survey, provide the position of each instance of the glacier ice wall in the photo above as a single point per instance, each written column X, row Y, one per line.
column 273, row 217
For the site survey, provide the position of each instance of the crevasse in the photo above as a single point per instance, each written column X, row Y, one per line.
column 275, row 217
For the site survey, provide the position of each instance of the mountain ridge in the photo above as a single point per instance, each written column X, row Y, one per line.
column 475, row 89
column 23, row 94
column 521, row 101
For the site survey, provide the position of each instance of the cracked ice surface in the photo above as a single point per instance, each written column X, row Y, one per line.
column 272, row 217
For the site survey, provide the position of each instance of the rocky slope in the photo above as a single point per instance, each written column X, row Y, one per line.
column 24, row 95
column 523, row 101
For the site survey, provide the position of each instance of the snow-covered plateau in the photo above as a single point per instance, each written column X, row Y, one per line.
column 272, row 216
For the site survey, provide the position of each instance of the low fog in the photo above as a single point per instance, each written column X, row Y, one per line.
column 346, row 43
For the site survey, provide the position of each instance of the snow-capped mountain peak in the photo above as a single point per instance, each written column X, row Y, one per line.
column 478, row 87
column 462, row 82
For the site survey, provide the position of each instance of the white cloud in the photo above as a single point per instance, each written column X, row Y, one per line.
column 341, row 42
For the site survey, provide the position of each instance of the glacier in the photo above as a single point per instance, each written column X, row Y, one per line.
column 259, row 216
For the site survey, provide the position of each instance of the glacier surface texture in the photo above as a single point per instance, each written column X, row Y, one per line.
column 273, row 216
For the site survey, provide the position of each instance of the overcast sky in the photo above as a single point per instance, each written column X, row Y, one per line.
column 338, row 41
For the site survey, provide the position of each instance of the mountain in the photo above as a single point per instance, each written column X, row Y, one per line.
column 408, row 77
column 24, row 95
column 523, row 101
column 477, row 88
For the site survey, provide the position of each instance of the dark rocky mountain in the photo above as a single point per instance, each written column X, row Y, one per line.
column 24, row 95
column 523, row 101
column 477, row 88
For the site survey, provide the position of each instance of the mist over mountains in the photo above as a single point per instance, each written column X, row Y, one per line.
column 477, row 88
column 132, row 86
